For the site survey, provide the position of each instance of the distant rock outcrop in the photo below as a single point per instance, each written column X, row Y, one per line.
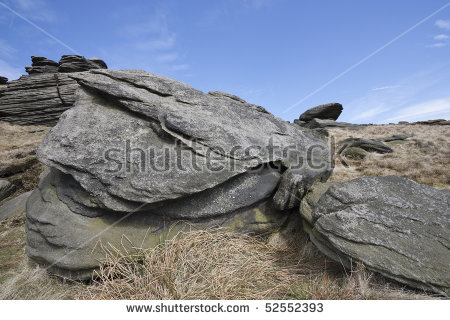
column 437, row 122
column 369, row 145
column 322, row 117
column 329, row 111
column 144, row 157
column 41, row 97
column 393, row 225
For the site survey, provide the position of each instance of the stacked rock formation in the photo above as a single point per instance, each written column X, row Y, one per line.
column 140, row 157
column 41, row 65
column 393, row 225
column 41, row 97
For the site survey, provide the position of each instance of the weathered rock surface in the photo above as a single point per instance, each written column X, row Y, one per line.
column 136, row 142
column 329, row 111
column 6, row 189
column 154, row 113
column 395, row 226
column 369, row 145
column 41, row 97
column 3, row 80
column 14, row 207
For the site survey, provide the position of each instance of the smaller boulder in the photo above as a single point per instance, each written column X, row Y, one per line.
column 394, row 226
column 329, row 111
column 3, row 80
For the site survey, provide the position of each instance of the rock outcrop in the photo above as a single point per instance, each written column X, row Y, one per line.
column 3, row 80
column 393, row 225
column 41, row 97
column 141, row 156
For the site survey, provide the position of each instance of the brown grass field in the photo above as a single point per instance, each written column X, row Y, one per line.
column 218, row 264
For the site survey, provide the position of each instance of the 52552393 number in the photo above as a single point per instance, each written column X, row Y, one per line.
column 293, row 307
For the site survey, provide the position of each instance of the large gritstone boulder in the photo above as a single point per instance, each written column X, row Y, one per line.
column 141, row 156
column 395, row 226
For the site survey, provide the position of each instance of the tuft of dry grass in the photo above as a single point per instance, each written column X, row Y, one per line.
column 425, row 157
column 194, row 265
column 223, row 265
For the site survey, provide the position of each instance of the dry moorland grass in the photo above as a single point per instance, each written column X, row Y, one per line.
column 18, row 162
column 21, row 279
column 425, row 157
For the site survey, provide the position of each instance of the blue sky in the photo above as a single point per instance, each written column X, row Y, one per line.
column 285, row 55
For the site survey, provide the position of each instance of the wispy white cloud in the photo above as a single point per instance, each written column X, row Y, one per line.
column 437, row 108
column 383, row 88
column 6, row 70
column 441, row 37
column 443, row 24
column 371, row 113
column 437, row 45
column 375, row 105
